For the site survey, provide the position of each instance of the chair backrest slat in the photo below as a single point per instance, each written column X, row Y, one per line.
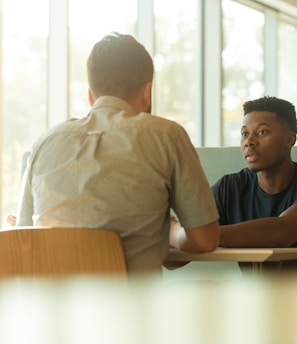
column 51, row 251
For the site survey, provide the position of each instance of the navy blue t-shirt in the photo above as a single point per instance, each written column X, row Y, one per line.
column 239, row 198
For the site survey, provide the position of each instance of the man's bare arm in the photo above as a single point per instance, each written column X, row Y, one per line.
column 267, row 232
column 198, row 240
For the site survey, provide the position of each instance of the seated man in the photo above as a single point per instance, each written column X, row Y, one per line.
column 120, row 167
column 257, row 205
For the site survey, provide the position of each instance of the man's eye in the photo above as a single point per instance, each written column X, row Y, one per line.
column 244, row 133
column 261, row 132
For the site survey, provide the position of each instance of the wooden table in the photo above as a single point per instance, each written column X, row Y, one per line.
column 256, row 256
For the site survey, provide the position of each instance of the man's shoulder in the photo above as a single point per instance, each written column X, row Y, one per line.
column 238, row 179
column 57, row 130
column 157, row 120
column 159, row 126
column 242, row 175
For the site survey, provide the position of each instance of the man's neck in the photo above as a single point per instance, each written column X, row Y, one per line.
column 276, row 180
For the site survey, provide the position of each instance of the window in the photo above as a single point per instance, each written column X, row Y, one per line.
column 89, row 21
column 242, row 64
column 287, row 52
column 176, row 57
column 24, row 86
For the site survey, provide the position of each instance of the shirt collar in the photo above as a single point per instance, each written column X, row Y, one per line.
column 114, row 102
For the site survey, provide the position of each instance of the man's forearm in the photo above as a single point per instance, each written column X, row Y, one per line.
column 267, row 232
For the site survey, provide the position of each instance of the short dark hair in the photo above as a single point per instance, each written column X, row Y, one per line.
column 119, row 65
column 283, row 109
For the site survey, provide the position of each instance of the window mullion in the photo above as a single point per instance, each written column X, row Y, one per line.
column 212, row 73
column 270, row 52
column 58, row 62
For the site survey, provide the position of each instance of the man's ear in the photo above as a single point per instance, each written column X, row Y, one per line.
column 91, row 97
column 147, row 96
column 292, row 139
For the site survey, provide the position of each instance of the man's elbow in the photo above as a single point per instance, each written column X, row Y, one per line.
column 201, row 247
column 205, row 240
column 210, row 246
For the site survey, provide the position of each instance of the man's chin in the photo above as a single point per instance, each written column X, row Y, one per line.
column 253, row 169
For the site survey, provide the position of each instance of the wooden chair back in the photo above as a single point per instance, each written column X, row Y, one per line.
column 51, row 251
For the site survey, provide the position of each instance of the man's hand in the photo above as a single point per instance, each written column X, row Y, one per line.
column 11, row 220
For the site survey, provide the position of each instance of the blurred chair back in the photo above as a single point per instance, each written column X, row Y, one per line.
column 54, row 252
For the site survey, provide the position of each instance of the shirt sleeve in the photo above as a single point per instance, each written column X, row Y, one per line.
column 218, row 193
column 191, row 196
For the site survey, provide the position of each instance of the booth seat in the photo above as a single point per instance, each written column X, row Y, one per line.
column 218, row 161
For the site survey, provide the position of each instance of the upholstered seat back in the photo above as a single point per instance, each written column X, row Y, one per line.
column 217, row 161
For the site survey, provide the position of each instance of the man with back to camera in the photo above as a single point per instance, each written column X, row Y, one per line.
column 257, row 206
column 120, row 167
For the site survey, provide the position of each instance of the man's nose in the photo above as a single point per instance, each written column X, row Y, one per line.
column 250, row 140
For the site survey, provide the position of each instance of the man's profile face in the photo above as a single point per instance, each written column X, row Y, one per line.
column 265, row 140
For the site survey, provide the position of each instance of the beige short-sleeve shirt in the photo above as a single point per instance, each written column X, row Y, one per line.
column 117, row 169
